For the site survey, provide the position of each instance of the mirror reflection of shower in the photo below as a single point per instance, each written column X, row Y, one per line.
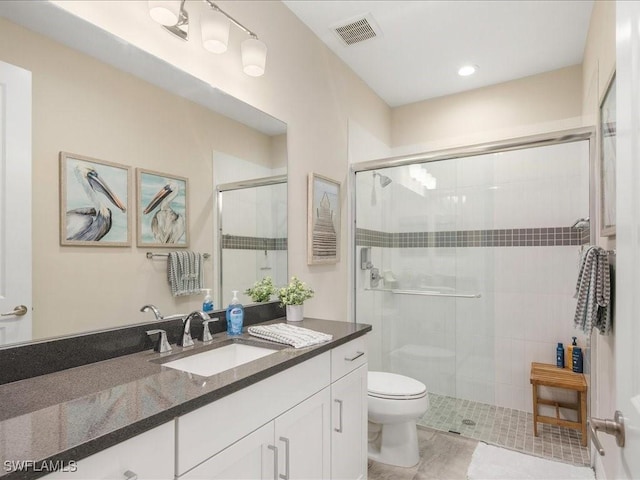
column 384, row 181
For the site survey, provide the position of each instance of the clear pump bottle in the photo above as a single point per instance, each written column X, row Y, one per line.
column 207, row 303
column 235, row 316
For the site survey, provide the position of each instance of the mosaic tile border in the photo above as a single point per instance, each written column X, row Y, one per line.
column 514, row 237
column 237, row 242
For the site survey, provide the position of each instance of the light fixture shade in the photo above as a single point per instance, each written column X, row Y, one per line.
column 165, row 12
column 215, row 31
column 254, row 57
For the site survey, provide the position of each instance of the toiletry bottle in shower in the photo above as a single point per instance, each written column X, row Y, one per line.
column 207, row 303
column 569, row 356
column 235, row 316
column 576, row 360
column 560, row 355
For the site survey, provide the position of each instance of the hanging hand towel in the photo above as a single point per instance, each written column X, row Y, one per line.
column 593, row 291
column 185, row 273
column 297, row 337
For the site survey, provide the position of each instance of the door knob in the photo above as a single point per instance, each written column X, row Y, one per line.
column 613, row 427
column 18, row 311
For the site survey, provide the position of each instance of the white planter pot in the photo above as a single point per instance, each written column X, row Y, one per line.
column 295, row 313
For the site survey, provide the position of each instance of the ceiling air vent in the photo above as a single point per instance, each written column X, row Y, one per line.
column 357, row 30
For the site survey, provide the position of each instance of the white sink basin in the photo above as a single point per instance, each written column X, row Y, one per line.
column 219, row 359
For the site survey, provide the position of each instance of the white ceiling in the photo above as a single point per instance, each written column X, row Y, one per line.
column 423, row 43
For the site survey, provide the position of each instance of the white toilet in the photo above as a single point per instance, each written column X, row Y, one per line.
column 395, row 403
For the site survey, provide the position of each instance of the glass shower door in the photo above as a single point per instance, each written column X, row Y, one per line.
column 252, row 222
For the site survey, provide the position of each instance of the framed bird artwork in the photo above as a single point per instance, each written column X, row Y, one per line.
column 162, row 209
column 94, row 202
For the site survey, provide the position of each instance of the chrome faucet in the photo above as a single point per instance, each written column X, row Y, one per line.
column 154, row 309
column 185, row 339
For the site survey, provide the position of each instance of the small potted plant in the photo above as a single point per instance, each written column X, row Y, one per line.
column 293, row 296
column 261, row 290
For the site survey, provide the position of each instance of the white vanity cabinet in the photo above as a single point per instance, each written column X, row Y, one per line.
column 148, row 456
column 296, row 445
column 292, row 401
column 307, row 422
column 349, row 410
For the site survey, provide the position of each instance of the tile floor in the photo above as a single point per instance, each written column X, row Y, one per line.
column 504, row 427
column 443, row 456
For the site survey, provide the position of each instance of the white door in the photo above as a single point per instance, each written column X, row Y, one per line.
column 627, row 320
column 349, row 429
column 15, row 204
column 303, row 438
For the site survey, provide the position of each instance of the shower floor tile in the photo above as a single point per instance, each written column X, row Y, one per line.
column 504, row 427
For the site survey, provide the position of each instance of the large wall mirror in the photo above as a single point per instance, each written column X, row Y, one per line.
column 95, row 96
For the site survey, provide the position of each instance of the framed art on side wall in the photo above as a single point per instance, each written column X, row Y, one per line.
column 162, row 210
column 607, row 135
column 94, row 202
column 323, row 220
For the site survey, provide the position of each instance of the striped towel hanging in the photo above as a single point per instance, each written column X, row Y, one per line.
column 593, row 291
column 185, row 273
column 297, row 337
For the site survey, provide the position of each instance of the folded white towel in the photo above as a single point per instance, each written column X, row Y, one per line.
column 297, row 337
column 185, row 273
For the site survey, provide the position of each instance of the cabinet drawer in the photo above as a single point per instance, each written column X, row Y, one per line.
column 348, row 357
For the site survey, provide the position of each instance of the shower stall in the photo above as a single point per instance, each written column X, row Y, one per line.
column 466, row 263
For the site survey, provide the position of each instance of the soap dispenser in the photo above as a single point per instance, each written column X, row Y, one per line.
column 235, row 316
column 207, row 303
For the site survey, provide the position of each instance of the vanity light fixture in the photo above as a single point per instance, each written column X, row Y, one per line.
column 467, row 70
column 215, row 24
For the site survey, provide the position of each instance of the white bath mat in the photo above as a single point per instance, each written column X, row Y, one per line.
column 494, row 463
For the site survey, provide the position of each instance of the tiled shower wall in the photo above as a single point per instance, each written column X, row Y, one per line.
column 496, row 225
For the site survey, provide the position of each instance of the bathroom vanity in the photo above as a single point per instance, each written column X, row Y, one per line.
column 294, row 413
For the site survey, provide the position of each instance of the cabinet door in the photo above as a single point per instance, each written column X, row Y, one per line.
column 149, row 456
column 252, row 458
column 303, row 437
column 349, row 426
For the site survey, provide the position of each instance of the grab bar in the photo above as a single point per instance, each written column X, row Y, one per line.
column 425, row 293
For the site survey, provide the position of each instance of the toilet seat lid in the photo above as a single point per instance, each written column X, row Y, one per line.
column 392, row 385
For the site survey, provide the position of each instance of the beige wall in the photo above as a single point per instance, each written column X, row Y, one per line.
column 540, row 103
column 88, row 108
column 599, row 65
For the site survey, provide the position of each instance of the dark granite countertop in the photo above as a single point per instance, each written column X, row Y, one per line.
column 74, row 413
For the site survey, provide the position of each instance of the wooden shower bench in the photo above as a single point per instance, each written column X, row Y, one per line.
column 546, row 375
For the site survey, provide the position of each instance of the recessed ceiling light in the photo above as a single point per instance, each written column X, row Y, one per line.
column 467, row 70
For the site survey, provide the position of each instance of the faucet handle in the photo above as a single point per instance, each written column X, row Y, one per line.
column 185, row 339
column 206, row 333
column 162, row 346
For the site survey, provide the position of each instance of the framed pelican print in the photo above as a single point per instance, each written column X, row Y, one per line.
column 162, row 210
column 94, row 202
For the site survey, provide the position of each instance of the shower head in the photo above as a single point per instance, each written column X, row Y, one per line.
column 581, row 224
column 384, row 180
